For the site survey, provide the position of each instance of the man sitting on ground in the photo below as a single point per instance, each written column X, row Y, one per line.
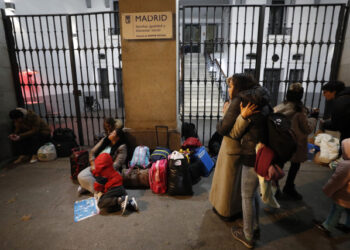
column 31, row 132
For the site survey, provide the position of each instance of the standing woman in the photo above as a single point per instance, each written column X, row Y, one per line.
column 225, row 193
column 302, row 126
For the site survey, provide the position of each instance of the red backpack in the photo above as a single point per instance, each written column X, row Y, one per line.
column 158, row 176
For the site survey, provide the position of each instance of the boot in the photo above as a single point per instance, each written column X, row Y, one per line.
column 290, row 191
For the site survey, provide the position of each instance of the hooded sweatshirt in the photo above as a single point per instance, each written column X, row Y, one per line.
column 338, row 186
column 104, row 173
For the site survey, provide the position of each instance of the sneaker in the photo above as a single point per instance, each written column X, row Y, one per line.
column 34, row 159
column 124, row 204
column 20, row 159
column 292, row 193
column 132, row 205
column 321, row 228
column 238, row 234
column 256, row 232
column 81, row 190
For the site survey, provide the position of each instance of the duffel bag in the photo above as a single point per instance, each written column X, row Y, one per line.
column 135, row 178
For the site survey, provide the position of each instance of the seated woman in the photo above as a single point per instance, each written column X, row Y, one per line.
column 113, row 144
column 112, row 196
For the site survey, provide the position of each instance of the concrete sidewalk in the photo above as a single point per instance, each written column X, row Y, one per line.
column 45, row 193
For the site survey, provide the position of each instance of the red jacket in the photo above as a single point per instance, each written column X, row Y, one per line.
column 105, row 175
column 264, row 157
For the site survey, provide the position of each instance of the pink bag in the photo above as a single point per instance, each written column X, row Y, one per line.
column 274, row 173
column 158, row 176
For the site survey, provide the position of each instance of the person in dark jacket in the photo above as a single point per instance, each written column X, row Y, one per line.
column 302, row 126
column 340, row 114
column 112, row 196
column 254, row 133
column 31, row 132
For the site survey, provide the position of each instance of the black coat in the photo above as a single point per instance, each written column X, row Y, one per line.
column 340, row 114
column 257, row 129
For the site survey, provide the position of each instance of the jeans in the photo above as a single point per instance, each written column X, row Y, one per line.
column 250, row 201
column 334, row 216
column 292, row 173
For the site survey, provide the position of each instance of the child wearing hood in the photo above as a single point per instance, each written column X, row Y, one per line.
column 109, row 183
column 338, row 189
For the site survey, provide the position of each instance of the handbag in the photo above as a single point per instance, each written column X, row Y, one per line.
column 135, row 178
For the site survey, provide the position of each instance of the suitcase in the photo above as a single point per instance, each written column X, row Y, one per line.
column 79, row 160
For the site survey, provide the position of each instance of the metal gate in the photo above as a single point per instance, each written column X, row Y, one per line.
column 68, row 68
column 278, row 44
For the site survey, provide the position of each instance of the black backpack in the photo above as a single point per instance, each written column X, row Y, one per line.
column 188, row 130
column 64, row 140
column 281, row 138
column 215, row 144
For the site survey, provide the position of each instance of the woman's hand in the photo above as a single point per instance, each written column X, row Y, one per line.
column 248, row 110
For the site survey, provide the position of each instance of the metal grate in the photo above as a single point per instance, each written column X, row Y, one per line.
column 69, row 69
column 246, row 38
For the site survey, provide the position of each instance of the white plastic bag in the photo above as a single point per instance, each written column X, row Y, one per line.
column 329, row 147
column 47, row 152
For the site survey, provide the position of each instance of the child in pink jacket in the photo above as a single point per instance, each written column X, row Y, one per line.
column 338, row 189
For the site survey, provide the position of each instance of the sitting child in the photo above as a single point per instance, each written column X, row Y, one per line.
column 109, row 183
column 338, row 189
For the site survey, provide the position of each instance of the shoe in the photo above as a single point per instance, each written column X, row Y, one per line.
column 20, row 159
column 238, row 234
column 292, row 193
column 278, row 194
column 342, row 227
column 81, row 190
column 256, row 232
column 34, row 159
column 124, row 204
column 132, row 205
column 321, row 228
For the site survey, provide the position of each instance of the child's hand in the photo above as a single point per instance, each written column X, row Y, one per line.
column 248, row 110
column 98, row 195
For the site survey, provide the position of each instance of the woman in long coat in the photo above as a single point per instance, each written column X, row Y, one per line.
column 225, row 193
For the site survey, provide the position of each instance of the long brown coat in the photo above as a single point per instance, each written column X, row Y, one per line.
column 225, row 193
column 302, row 127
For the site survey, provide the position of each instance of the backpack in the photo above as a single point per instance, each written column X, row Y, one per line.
column 160, row 153
column 140, row 157
column 79, row 160
column 64, row 141
column 202, row 155
column 191, row 143
column 179, row 177
column 188, row 130
column 158, row 176
column 281, row 138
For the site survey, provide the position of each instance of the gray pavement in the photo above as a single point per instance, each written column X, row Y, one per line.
column 45, row 193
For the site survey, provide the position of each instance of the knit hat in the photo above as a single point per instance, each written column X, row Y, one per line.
column 295, row 92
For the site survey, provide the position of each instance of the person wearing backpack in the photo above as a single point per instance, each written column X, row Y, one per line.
column 225, row 193
column 302, row 126
column 254, row 133
column 114, row 144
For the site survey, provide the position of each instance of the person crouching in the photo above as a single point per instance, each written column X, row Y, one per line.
column 109, row 183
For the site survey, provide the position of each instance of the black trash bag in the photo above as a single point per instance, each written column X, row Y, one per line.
column 64, row 141
column 188, row 130
column 179, row 178
column 215, row 144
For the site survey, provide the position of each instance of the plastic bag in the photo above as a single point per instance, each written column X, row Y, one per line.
column 329, row 147
column 47, row 152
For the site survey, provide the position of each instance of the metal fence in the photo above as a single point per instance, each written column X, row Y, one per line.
column 278, row 44
column 68, row 68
